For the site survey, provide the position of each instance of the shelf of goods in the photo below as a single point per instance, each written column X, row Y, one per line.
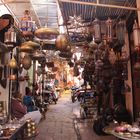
column 88, row 105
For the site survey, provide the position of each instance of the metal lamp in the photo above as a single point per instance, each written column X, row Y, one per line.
column 136, row 36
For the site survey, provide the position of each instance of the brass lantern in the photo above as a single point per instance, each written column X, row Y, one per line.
column 26, row 62
column 10, row 36
column 27, row 24
column 97, row 31
column 46, row 33
column 61, row 42
column 109, row 30
column 26, row 48
column 121, row 28
column 136, row 35
column 32, row 44
column 13, row 63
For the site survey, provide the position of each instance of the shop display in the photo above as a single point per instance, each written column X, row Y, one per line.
column 92, row 52
column 127, row 131
column 13, row 63
column 46, row 33
column 62, row 42
column 26, row 21
column 121, row 28
column 97, row 31
column 31, row 128
column 32, row 44
column 109, row 30
column 26, row 62
column 12, row 130
column 87, row 103
column 10, row 36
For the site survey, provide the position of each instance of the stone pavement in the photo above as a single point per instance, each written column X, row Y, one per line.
column 61, row 123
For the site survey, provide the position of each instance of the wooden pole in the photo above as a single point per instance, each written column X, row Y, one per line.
column 138, row 6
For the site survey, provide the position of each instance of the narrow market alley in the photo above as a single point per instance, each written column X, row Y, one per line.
column 63, row 123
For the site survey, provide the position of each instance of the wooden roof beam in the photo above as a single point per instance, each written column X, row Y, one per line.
column 100, row 5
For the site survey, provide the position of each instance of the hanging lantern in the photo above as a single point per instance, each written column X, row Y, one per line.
column 109, row 30
column 136, row 35
column 26, row 21
column 34, row 45
column 46, row 33
column 26, row 62
column 61, row 42
column 37, row 55
column 13, row 63
column 121, row 29
column 10, row 38
column 97, row 31
column 26, row 48
column 27, row 25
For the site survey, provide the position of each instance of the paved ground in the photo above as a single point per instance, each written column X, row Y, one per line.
column 61, row 123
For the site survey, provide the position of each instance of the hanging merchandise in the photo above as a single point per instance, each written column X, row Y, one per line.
column 112, row 56
column 38, row 55
column 109, row 30
column 61, row 42
column 26, row 62
column 136, row 33
column 121, row 29
column 97, row 31
column 46, row 33
column 26, row 21
column 10, row 36
column 27, row 25
column 26, row 48
column 34, row 45
column 13, row 63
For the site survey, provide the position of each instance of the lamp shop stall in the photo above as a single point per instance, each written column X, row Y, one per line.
column 19, row 52
column 110, row 58
column 105, row 60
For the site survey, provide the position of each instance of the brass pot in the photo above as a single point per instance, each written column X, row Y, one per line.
column 61, row 42
column 26, row 48
column 46, row 33
column 32, row 44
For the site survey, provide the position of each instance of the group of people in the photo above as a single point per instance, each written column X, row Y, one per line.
column 24, row 107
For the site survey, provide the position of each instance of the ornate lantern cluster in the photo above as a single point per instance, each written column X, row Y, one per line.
column 27, row 24
column 26, row 21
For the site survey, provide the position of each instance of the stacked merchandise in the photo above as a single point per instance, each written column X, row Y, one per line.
column 88, row 104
